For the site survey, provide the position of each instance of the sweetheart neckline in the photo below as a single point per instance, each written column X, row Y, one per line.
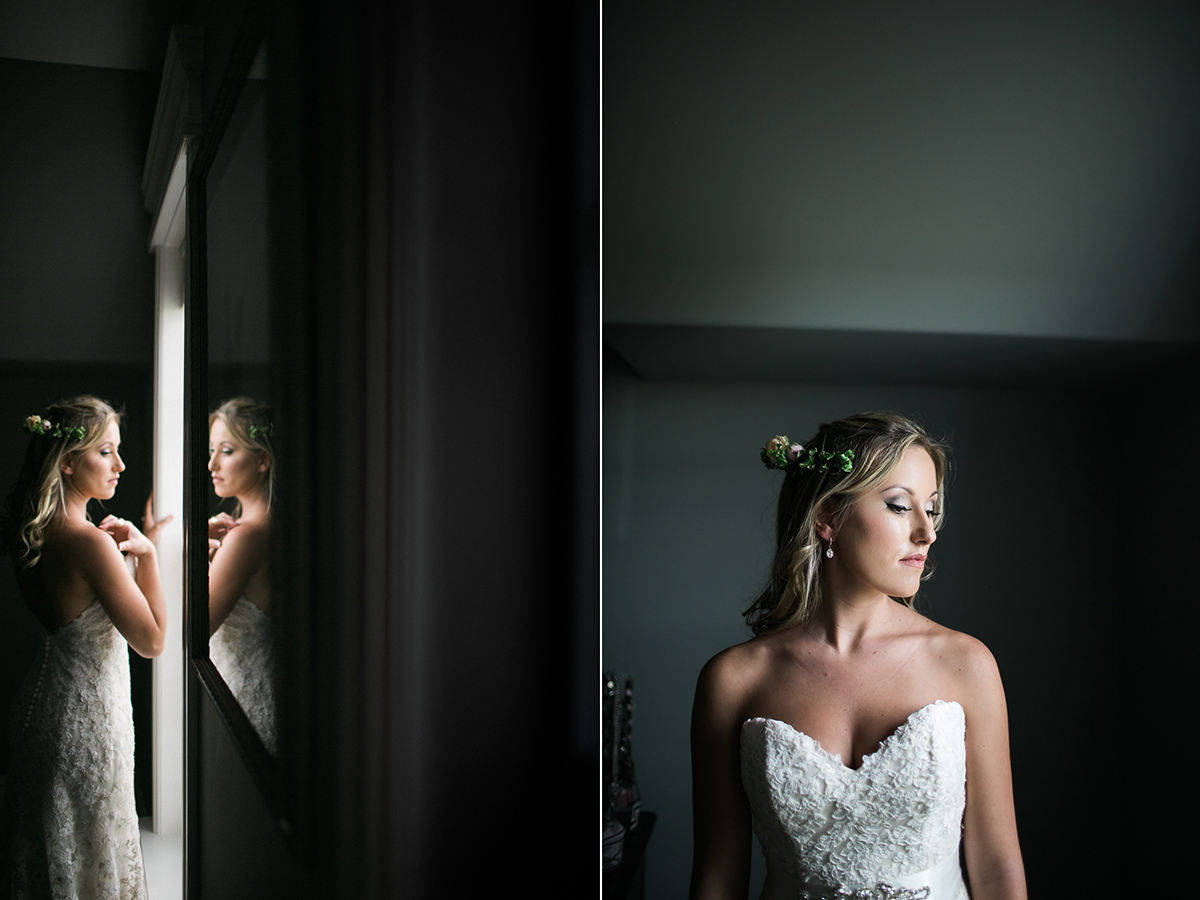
column 867, row 757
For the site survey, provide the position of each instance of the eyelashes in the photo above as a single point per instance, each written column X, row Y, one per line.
column 900, row 509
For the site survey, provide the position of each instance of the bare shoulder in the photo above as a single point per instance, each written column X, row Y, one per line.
column 964, row 661
column 250, row 538
column 257, row 530
column 732, row 676
column 82, row 542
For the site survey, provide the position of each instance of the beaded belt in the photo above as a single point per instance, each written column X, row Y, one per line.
column 881, row 891
column 941, row 881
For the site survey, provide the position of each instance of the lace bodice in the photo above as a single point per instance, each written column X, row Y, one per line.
column 243, row 649
column 70, row 804
column 823, row 825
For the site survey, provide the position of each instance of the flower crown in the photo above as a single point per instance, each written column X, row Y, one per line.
column 780, row 453
column 45, row 428
column 261, row 431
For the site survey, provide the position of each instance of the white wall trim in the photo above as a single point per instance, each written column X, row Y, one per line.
column 179, row 114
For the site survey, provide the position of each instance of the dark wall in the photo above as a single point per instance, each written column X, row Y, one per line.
column 76, row 278
column 1155, row 543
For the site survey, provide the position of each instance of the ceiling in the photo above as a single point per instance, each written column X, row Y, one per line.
column 793, row 174
column 1020, row 171
column 110, row 34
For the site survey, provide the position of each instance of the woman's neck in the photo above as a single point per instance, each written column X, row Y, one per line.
column 254, row 507
column 75, row 505
column 845, row 619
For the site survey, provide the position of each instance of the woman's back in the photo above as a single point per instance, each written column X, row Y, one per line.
column 56, row 590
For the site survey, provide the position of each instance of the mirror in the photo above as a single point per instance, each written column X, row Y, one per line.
column 229, row 355
column 241, row 624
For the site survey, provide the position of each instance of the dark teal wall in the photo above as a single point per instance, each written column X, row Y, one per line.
column 76, row 277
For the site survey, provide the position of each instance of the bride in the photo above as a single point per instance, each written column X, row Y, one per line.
column 861, row 740
column 241, row 643
column 70, row 817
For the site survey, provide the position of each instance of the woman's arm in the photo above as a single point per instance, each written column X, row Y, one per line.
column 993, row 855
column 134, row 602
column 720, row 813
column 242, row 552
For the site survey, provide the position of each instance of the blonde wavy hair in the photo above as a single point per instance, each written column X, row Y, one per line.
column 38, row 498
column 878, row 440
column 249, row 422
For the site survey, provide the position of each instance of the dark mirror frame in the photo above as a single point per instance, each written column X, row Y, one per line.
column 265, row 771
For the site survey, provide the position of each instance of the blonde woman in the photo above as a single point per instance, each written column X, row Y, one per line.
column 70, row 816
column 239, row 577
column 863, row 742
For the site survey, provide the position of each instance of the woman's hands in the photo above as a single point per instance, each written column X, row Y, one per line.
column 239, row 569
column 219, row 526
column 129, row 539
column 131, row 595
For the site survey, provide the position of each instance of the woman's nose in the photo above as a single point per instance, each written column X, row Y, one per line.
column 120, row 463
column 212, row 462
column 925, row 530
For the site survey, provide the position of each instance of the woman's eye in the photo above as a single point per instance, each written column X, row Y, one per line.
column 898, row 507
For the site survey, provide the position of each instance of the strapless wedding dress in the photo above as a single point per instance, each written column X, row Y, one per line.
column 243, row 650
column 69, row 805
column 889, row 829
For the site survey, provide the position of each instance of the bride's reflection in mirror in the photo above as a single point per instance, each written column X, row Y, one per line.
column 241, row 631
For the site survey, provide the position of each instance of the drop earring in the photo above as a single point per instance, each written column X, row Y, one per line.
column 829, row 550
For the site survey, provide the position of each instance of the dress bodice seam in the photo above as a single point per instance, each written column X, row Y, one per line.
column 893, row 737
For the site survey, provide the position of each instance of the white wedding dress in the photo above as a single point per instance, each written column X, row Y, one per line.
column 888, row 830
column 243, row 650
column 70, row 811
